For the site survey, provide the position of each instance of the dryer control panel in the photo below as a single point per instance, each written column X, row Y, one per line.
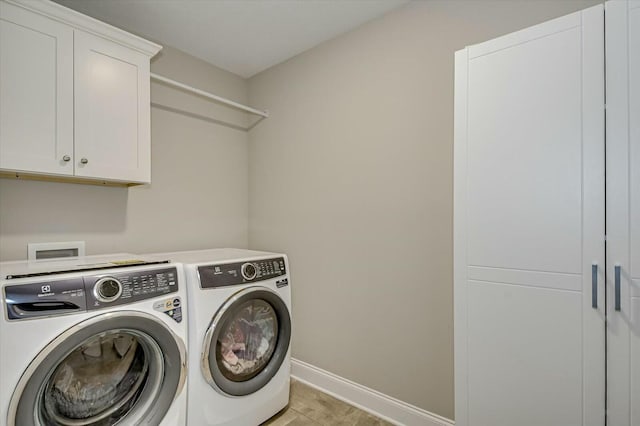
column 226, row 274
column 63, row 296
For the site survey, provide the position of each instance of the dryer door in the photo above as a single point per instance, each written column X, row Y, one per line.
column 117, row 368
column 247, row 341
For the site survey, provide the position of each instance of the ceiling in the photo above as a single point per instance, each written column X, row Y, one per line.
column 241, row 36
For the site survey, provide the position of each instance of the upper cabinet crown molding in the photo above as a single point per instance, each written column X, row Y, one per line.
column 86, row 23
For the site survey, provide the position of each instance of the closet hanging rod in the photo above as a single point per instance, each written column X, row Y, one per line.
column 208, row 95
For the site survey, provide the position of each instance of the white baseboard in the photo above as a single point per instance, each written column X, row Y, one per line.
column 376, row 403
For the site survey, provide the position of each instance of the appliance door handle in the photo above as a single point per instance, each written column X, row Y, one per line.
column 617, row 287
column 594, row 286
column 37, row 309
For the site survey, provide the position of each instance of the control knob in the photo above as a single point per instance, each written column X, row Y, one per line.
column 107, row 289
column 249, row 271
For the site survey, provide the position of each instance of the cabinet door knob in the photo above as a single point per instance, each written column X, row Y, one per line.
column 84, row 161
column 66, row 158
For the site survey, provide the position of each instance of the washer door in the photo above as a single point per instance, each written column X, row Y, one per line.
column 116, row 368
column 247, row 341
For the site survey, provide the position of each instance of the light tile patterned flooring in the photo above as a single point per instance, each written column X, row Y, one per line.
column 308, row 406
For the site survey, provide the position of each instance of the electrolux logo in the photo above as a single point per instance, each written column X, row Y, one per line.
column 46, row 291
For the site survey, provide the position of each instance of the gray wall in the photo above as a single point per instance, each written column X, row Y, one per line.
column 198, row 194
column 352, row 177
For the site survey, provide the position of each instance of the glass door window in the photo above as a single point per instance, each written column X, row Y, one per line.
column 247, row 340
column 99, row 381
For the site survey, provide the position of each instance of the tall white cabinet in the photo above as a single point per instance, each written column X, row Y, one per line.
column 547, row 209
column 623, row 212
column 74, row 96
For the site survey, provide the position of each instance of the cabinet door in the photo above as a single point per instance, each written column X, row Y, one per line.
column 112, row 139
column 623, row 211
column 529, row 226
column 36, row 93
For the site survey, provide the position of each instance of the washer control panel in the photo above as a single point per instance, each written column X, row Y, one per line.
column 63, row 296
column 118, row 289
column 226, row 274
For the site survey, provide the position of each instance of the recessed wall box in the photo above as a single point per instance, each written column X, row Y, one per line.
column 39, row 251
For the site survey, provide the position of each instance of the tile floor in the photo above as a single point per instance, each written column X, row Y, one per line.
column 308, row 406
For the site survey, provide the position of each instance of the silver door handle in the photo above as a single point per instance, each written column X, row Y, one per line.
column 66, row 158
column 84, row 161
column 617, row 287
column 594, row 286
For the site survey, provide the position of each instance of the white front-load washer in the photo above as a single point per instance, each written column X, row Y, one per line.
column 96, row 340
column 239, row 335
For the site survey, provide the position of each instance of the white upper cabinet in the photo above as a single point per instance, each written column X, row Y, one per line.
column 529, row 226
column 36, row 92
column 111, row 110
column 74, row 98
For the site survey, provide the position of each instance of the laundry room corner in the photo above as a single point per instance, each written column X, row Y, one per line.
column 352, row 177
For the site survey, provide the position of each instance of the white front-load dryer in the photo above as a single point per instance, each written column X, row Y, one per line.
column 239, row 335
column 92, row 341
